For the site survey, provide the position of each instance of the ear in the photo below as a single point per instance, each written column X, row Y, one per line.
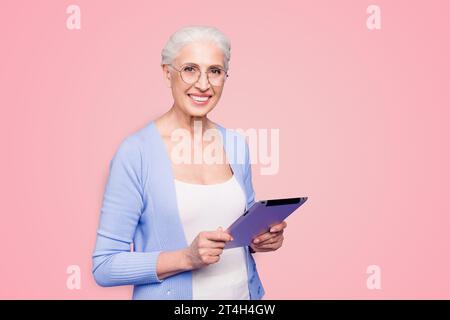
column 166, row 74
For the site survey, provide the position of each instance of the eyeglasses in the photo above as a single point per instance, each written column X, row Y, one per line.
column 190, row 73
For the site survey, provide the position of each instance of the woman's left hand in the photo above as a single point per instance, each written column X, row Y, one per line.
column 270, row 240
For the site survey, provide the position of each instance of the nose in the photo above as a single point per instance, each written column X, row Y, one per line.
column 203, row 82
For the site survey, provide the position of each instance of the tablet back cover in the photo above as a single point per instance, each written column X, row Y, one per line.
column 260, row 218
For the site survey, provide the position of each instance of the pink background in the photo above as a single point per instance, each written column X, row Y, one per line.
column 363, row 118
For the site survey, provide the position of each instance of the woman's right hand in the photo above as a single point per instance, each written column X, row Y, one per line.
column 206, row 248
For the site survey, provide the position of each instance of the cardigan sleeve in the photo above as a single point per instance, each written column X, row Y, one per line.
column 113, row 262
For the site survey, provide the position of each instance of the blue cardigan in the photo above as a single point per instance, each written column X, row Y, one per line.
column 139, row 206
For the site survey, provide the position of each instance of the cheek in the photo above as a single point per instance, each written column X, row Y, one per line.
column 218, row 91
column 178, row 92
column 217, row 94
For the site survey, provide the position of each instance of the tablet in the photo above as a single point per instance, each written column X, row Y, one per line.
column 259, row 218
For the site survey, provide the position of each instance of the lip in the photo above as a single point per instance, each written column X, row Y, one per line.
column 200, row 94
column 199, row 103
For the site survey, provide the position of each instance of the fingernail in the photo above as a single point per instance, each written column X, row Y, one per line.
column 273, row 230
column 256, row 240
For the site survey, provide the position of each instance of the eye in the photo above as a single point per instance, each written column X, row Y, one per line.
column 216, row 71
column 190, row 69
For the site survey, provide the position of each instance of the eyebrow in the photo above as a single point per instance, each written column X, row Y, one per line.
column 214, row 65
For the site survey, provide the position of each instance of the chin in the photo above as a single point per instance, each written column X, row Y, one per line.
column 198, row 111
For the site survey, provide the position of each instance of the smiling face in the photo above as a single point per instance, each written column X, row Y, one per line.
column 199, row 98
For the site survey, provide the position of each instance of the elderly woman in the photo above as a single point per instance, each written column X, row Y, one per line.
column 174, row 212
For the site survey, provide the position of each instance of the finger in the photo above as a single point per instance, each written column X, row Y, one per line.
column 274, row 239
column 211, row 259
column 278, row 227
column 226, row 231
column 213, row 244
column 258, row 249
column 270, row 246
column 263, row 237
column 210, row 251
column 218, row 236
column 266, row 236
column 214, row 252
column 274, row 245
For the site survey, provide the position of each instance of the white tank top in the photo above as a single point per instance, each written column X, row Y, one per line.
column 205, row 208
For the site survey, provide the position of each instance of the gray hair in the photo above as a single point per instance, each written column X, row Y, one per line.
column 191, row 34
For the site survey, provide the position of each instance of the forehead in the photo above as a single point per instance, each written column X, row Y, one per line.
column 201, row 53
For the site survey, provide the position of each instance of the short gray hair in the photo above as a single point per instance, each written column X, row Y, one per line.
column 191, row 34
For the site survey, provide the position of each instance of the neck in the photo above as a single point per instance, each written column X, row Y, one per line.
column 180, row 119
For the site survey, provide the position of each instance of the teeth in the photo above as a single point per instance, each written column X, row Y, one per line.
column 199, row 99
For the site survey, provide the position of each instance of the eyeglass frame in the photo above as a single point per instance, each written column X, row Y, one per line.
column 195, row 65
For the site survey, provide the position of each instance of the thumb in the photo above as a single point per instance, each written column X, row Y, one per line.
column 226, row 231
